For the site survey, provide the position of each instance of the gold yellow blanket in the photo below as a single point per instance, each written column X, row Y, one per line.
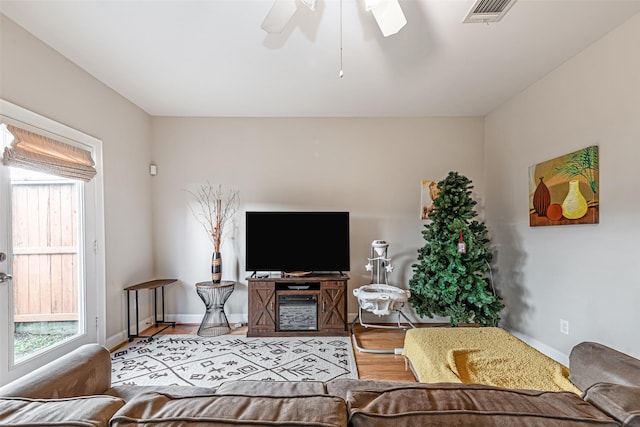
column 482, row 356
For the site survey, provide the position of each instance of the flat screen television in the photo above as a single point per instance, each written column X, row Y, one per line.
column 297, row 241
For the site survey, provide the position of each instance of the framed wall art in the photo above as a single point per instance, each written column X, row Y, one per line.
column 428, row 193
column 565, row 190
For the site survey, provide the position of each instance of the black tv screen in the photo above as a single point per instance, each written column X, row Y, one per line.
column 297, row 241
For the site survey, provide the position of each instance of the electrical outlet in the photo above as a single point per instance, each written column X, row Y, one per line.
column 564, row 326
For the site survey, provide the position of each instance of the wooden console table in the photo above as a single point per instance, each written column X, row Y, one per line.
column 153, row 284
column 318, row 304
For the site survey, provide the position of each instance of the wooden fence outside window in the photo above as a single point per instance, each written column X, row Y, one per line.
column 45, row 248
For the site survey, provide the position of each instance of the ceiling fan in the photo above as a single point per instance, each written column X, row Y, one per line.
column 387, row 13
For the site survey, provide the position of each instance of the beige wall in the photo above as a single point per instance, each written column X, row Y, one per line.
column 369, row 167
column 39, row 79
column 585, row 274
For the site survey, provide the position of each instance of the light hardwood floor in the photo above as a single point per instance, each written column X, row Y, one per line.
column 372, row 366
column 389, row 367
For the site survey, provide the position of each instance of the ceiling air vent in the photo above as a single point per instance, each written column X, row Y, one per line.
column 484, row 11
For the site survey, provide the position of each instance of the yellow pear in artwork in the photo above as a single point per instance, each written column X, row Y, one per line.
column 574, row 205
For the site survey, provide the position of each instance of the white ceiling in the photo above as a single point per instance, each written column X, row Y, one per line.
column 211, row 58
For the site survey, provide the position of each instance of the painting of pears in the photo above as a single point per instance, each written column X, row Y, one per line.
column 565, row 190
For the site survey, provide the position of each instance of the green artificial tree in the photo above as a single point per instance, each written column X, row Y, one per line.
column 451, row 276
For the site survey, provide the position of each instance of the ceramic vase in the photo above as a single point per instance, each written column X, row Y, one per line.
column 574, row 205
column 216, row 267
column 541, row 198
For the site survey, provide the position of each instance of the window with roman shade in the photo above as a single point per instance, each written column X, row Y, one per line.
column 30, row 150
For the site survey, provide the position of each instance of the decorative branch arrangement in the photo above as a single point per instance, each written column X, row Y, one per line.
column 213, row 208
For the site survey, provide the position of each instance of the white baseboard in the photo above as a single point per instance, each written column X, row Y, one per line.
column 185, row 319
column 235, row 320
column 195, row 319
column 543, row 348
column 115, row 340
column 121, row 337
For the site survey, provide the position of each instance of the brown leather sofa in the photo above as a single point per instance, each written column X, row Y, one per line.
column 76, row 390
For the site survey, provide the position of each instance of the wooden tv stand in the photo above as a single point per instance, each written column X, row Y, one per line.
column 314, row 305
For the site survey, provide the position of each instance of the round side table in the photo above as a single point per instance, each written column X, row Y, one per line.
column 214, row 295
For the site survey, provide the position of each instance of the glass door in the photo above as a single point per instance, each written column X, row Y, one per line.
column 49, row 267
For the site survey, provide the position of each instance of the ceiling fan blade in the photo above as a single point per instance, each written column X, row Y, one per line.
column 311, row 4
column 279, row 15
column 370, row 4
column 388, row 15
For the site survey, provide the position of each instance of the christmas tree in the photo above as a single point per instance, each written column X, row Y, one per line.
column 450, row 278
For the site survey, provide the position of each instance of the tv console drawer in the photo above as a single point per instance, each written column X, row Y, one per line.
column 297, row 286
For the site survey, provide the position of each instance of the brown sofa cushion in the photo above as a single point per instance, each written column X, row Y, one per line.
column 622, row 402
column 163, row 410
column 470, row 405
column 273, row 388
column 128, row 392
column 341, row 387
column 78, row 411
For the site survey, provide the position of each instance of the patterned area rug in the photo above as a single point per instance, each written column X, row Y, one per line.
column 208, row 362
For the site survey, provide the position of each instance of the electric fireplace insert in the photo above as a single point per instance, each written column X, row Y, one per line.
column 298, row 312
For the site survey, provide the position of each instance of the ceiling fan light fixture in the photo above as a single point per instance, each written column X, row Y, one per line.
column 279, row 15
column 388, row 14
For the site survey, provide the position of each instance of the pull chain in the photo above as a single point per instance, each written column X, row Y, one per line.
column 341, row 73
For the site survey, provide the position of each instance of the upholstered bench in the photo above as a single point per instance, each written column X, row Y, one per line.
column 489, row 356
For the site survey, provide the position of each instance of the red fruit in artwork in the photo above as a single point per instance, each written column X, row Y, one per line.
column 554, row 212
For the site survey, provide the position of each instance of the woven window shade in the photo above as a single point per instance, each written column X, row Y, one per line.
column 32, row 151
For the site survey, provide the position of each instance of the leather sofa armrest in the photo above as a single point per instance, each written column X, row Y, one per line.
column 591, row 363
column 83, row 372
